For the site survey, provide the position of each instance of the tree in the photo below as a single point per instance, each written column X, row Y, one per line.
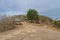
column 32, row 14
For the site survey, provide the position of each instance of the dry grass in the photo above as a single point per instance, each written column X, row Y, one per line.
column 6, row 24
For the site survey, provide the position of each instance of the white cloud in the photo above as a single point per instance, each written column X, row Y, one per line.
column 22, row 5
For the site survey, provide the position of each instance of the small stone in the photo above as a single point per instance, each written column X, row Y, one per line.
column 45, row 26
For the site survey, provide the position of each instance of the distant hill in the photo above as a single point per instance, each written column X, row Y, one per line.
column 45, row 19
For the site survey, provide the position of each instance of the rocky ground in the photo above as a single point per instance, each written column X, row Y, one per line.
column 30, row 31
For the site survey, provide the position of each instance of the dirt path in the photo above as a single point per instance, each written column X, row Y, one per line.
column 30, row 31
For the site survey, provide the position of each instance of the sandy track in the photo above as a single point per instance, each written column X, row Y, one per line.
column 30, row 32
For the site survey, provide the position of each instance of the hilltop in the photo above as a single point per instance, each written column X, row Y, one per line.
column 43, row 19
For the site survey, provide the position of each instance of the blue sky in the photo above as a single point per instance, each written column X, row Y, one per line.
column 15, row 7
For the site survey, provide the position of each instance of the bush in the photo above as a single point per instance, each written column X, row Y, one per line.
column 32, row 14
column 57, row 23
column 6, row 24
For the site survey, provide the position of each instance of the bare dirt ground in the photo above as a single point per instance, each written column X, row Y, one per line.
column 30, row 31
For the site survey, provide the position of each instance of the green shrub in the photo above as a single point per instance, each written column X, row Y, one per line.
column 32, row 14
column 57, row 23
